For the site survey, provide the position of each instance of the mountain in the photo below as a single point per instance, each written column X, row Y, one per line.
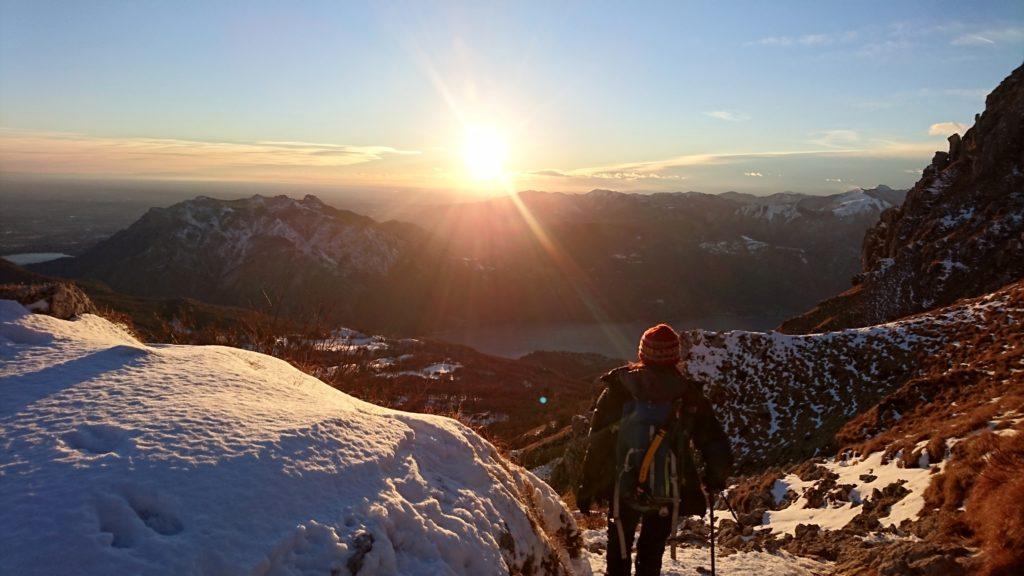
column 259, row 252
column 544, row 257
column 537, row 258
column 123, row 457
column 960, row 232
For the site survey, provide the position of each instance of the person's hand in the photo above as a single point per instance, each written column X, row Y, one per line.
column 583, row 504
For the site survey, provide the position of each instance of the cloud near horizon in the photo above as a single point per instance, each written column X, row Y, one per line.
column 727, row 115
column 81, row 154
column 846, row 150
column 946, row 128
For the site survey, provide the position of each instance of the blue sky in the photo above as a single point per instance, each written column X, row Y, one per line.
column 749, row 96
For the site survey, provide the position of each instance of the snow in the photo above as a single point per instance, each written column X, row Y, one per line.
column 350, row 341
column 438, row 371
column 834, row 516
column 784, row 211
column 689, row 559
column 791, row 482
column 857, row 202
column 125, row 458
column 234, row 230
column 747, row 245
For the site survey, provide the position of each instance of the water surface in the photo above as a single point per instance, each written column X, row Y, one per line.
column 618, row 340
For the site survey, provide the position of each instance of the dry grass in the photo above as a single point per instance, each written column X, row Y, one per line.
column 994, row 508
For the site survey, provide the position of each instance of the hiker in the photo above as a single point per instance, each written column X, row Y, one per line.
column 640, row 456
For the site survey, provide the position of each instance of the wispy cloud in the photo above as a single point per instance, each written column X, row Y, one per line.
column 728, row 115
column 876, row 41
column 946, row 128
column 668, row 168
column 971, row 40
column 72, row 153
column 754, row 174
column 990, row 37
column 817, row 39
column 608, row 174
column 836, row 138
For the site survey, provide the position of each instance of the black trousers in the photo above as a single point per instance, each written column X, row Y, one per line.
column 654, row 532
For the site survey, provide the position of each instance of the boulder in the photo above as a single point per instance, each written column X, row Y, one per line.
column 58, row 299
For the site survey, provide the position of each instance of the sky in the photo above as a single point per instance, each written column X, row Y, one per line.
column 758, row 97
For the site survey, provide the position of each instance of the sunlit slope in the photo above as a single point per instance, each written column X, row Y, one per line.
column 125, row 458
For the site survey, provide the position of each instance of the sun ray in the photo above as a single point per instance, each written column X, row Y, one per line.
column 572, row 273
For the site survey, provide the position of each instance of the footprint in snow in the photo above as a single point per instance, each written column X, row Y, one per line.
column 97, row 438
column 136, row 514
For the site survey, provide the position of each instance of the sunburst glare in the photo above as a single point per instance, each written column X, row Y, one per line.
column 484, row 150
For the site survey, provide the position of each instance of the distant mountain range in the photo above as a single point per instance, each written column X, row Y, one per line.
column 538, row 258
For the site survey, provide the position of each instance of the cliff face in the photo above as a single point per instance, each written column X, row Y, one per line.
column 958, row 234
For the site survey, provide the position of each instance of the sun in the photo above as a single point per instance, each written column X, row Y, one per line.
column 483, row 151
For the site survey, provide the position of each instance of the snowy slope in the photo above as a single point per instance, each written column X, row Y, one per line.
column 784, row 396
column 124, row 458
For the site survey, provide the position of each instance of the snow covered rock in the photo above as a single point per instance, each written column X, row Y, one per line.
column 125, row 458
column 59, row 299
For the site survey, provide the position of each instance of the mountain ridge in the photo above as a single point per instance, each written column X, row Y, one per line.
column 959, row 233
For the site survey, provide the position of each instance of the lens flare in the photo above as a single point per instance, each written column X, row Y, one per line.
column 484, row 151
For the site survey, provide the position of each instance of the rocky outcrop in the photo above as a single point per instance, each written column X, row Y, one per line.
column 58, row 299
column 958, row 234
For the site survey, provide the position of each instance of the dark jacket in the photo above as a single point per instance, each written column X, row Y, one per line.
column 705, row 436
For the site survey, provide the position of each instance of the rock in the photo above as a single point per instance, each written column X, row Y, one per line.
column 58, row 299
column 954, row 147
column 568, row 471
column 938, row 565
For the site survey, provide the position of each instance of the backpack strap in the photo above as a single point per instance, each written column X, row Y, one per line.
column 659, row 436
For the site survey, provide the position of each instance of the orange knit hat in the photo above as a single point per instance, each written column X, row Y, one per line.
column 660, row 346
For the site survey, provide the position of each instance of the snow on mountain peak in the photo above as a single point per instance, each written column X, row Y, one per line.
column 858, row 201
column 125, row 458
column 332, row 237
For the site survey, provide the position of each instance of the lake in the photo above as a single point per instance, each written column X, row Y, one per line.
column 618, row 339
column 33, row 257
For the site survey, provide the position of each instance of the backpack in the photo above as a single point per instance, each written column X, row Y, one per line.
column 647, row 470
column 646, row 467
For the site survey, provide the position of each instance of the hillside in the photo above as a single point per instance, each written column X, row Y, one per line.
column 919, row 480
column 122, row 457
column 504, row 398
column 959, row 234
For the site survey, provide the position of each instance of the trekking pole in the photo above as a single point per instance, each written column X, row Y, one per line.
column 731, row 509
column 711, row 497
